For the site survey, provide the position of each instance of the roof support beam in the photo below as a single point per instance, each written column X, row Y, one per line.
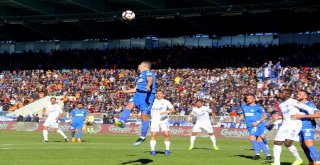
column 96, row 5
column 36, row 28
column 156, row 4
column 36, row 5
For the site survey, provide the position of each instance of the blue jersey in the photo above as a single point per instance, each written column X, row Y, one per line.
column 252, row 113
column 142, row 81
column 308, row 123
column 78, row 115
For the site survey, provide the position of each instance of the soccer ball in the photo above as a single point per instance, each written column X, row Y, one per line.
column 128, row 15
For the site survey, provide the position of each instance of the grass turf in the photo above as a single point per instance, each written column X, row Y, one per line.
column 26, row 148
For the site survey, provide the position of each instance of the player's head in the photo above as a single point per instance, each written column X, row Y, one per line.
column 285, row 94
column 53, row 100
column 159, row 94
column 199, row 103
column 302, row 95
column 145, row 65
column 79, row 105
column 249, row 99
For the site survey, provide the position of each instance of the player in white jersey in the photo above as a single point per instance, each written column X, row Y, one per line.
column 290, row 127
column 203, row 122
column 53, row 113
column 159, row 121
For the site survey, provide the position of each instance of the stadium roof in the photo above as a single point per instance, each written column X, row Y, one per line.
column 32, row 20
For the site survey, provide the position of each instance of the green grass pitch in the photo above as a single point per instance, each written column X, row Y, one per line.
column 26, row 148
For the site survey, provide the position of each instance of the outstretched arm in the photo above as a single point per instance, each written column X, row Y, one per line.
column 132, row 90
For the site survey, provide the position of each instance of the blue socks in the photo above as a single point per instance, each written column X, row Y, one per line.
column 264, row 148
column 307, row 153
column 255, row 146
column 124, row 115
column 79, row 134
column 72, row 134
column 265, row 140
column 144, row 128
column 314, row 153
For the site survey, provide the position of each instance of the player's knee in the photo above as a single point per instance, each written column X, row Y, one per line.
column 144, row 117
column 288, row 143
column 130, row 106
column 278, row 143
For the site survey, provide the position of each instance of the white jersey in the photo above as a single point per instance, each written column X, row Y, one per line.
column 201, row 114
column 53, row 111
column 159, row 109
column 291, row 107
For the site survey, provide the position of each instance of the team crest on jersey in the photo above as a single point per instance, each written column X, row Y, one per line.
column 251, row 110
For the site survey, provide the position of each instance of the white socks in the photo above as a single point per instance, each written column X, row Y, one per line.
column 294, row 152
column 152, row 144
column 276, row 153
column 192, row 139
column 167, row 144
column 61, row 133
column 45, row 135
column 213, row 139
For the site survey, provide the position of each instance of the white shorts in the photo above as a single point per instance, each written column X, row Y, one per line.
column 288, row 131
column 51, row 124
column 157, row 126
column 204, row 125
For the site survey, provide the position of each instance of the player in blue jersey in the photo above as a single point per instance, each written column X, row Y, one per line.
column 144, row 95
column 254, row 115
column 78, row 116
column 307, row 134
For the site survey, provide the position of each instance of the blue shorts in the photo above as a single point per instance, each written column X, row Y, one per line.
column 143, row 101
column 76, row 125
column 307, row 134
column 256, row 131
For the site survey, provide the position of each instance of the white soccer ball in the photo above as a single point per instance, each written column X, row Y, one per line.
column 128, row 15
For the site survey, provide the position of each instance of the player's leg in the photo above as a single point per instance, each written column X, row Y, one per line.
column 255, row 145
column 264, row 138
column 304, row 147
column 278, row 141
column 165, row 128
column 313, row 151
column 196, row 128
column 91, row 129
column 253, row 134
column 292, row 135
column 124, row 115
column 144, row 128
column 73, row 132
column 45, row 133
column 208, row 128
column 259, row 134
column 264, row 148
column 289, row 144
column 59, row 131
column 192, row 140
column 154, row 130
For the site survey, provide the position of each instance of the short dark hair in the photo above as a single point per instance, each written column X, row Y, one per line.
column 306, row 92
column 199, row 100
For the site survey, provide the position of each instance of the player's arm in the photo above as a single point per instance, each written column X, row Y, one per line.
column 132, row 90
column 264, row 117
column 213, row 116
column 241, row 117
column 299, row 105
column 149, row 80
column 311, row 116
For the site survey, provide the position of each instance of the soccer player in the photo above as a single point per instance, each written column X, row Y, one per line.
column 203, row 122
column 290, row 127
column 53, row 112
column 90, row 120
column 255, row 116
column 307, row 133
column 78, row 116
column 144, row 95
column 159, row 121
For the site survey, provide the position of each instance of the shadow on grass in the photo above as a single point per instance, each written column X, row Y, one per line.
column 142, row 161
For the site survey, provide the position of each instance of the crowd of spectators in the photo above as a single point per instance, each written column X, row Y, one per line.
column 220, row 76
